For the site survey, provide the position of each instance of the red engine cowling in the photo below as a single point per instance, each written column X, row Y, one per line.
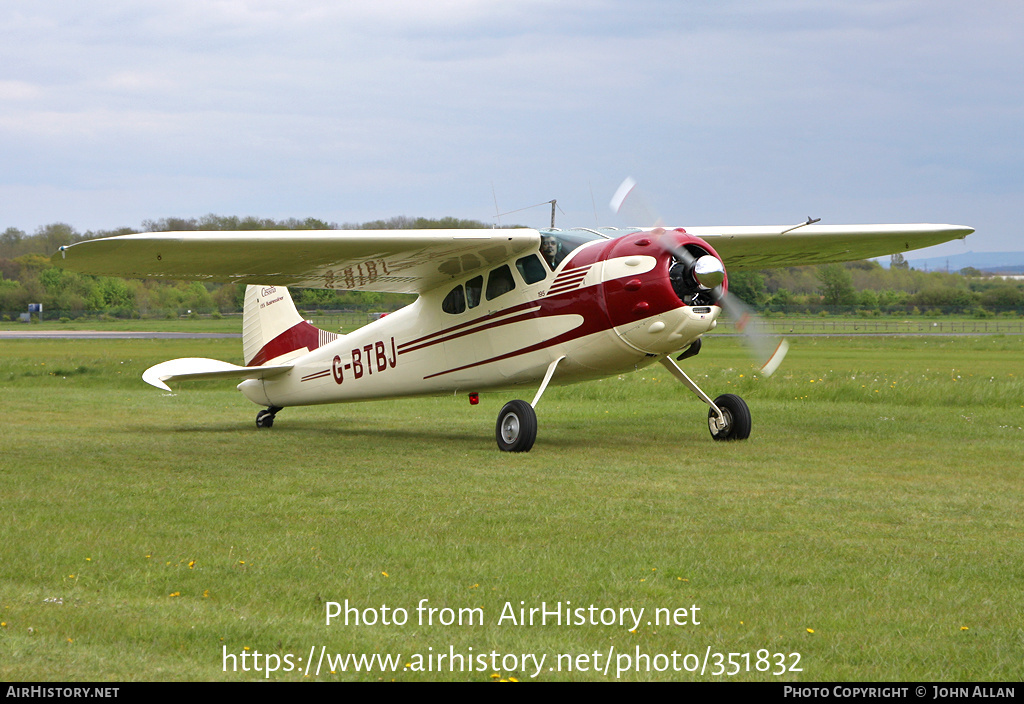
column 655, row 291
column 671, row 282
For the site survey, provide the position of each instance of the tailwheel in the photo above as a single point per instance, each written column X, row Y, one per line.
column 265, row 418
column 516, row 430
column 736, row 415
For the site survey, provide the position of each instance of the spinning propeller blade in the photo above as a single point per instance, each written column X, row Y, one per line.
column 767, row 349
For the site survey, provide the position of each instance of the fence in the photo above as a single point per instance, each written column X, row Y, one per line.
column 918, row 326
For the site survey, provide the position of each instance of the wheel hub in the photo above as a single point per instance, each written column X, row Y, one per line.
column 718, row 426
column 510, row 428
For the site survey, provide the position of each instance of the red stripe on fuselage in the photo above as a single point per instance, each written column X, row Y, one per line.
column 405, row 346
column 603, row 306
column 533, row 313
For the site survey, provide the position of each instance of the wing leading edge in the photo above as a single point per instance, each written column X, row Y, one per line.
column 771, row 247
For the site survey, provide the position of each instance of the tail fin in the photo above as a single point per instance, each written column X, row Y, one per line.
column 273, row 330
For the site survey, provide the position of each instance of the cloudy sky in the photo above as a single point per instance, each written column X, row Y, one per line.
column 726, row 112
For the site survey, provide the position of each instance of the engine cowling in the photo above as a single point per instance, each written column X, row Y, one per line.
column 660, row 302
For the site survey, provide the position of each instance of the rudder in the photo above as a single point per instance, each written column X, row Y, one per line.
column 273, row 330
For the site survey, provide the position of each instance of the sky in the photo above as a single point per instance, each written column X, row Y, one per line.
column 725, row 112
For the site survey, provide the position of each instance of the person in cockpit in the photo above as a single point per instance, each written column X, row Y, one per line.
column 551, row 251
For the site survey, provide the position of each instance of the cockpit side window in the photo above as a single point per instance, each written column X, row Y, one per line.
column 473, row 289
column 531, row 269
column 455, row 301
column 499, row 282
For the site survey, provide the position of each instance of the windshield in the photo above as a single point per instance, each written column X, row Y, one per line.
column 556, row 245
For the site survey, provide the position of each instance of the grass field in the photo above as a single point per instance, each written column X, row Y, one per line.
column 871, row 524
column 785, row 325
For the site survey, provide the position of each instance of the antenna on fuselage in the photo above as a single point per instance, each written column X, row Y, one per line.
column 552, row 202
column 495, row 194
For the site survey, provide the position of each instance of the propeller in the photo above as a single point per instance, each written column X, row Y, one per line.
column 703, row 276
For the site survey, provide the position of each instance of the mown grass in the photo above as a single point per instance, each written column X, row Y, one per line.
column 875, row 504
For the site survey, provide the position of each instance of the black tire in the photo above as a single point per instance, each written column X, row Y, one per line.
column 516, row 430
column 264, row 419
column 737, row 418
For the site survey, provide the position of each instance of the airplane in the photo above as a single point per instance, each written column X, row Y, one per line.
column 495, row 308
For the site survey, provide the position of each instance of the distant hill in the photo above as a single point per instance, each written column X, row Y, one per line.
column 992, row 262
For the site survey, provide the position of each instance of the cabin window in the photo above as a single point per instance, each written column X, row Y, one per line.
column 455, row 301
column 531, row 269
column 500, row 282
column 473, row 288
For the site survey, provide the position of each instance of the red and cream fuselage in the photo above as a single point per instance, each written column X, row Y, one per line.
column 607, row 308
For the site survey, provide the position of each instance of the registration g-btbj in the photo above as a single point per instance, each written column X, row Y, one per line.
column 497, row 309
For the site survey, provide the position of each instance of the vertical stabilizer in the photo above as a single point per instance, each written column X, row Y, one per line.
column 272, row 329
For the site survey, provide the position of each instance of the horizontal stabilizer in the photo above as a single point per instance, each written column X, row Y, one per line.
column 193, row 368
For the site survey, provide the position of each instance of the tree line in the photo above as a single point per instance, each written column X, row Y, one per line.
column 27, row 276
column 862, row 287
column 866, row 288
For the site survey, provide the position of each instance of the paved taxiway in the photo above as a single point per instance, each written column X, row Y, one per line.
column 110, row 335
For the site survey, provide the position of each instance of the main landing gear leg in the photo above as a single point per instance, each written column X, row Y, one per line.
column 265, row 418
column 728, row 417
column 516, row 430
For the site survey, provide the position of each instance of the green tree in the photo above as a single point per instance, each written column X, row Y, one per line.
column 10, row 242
column 1003, row 296
column 748, row 286
column 836, row 285
column 782, row 297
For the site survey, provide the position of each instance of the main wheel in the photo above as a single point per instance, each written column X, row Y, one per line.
column 265, row 419
column 517, row 427
column 737, row 418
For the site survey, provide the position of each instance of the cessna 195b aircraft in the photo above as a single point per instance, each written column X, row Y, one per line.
column 496, row 308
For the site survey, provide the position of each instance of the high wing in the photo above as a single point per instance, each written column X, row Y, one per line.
column 414, row 261
column 770, row 247
column 397, row 261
